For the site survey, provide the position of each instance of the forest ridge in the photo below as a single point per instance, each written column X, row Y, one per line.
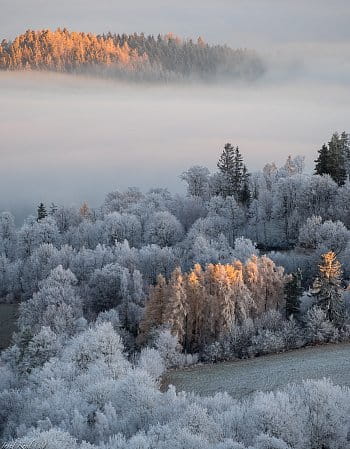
column 133, row 56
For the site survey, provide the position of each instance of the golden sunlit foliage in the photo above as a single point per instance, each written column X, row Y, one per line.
column 331, row 267
column 165, row 57
column 201, row 305
column 63, row 51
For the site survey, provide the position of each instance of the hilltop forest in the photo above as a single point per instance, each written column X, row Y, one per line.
column 133, row 56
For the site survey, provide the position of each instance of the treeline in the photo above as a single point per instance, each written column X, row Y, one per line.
column 132, row 56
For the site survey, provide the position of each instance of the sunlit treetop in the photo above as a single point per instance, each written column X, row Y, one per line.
column 331, row 267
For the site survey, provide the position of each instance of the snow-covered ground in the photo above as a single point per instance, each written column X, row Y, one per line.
column 244, row 377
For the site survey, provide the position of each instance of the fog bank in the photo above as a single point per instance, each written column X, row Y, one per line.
column 68, row 139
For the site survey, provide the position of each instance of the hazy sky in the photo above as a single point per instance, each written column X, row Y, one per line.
column 68, row 139
column 237, row 22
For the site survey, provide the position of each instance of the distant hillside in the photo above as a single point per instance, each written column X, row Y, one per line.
column 133, row 56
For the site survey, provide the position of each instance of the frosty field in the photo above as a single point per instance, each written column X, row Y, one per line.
column 266, row 373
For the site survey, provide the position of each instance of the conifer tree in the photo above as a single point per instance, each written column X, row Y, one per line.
column 327, row 288
column 337, row 159
column 245, row 196
column 345, row 144
column 235, row 174
column 334, row 158
column 238, row 170
column 41, row 212
column 226, row 165
column 293, row 291
column 322, row 162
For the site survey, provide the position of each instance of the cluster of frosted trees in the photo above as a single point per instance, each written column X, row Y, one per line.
column 66, row 383
column 202, row 305
column 83, row 393
column 285, row 210
column 163, row 58
column 177, row 272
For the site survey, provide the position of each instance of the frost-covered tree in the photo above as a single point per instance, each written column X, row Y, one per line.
column 327, row 289
column 40, row 349
column 108, row 286
column 8, row 235
column 327, row 235
column 155, row 308
column 244, row 249
column 56, row 305
column 163, row 229
column 319, row 329
column 119, row 227
column 266, row 283
column 152, row 362
column 153, row 260
column 197, row 179
column 33, row 233
column 176, row 311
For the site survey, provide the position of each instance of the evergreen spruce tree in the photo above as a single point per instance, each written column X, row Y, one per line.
column 245, row 195
column 293, row 292
column 235, row 174
column 337, row 159
column 226, row 167
column 226, row 160
column 322, row 162
column 334, row 159
column 238, row 168
column 41, row 212
column 327, row 288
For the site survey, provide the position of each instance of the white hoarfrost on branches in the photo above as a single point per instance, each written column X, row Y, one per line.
column 196, row 277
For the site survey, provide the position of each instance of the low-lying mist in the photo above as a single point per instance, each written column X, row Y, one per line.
column 67, row 139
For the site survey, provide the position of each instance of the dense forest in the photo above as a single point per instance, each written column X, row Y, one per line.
column 134, row 56
column 244, row 264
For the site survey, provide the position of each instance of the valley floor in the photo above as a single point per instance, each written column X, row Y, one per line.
column 244, row 377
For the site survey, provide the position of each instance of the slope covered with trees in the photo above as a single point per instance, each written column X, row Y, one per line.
column 134, row 56
column 244, row 264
